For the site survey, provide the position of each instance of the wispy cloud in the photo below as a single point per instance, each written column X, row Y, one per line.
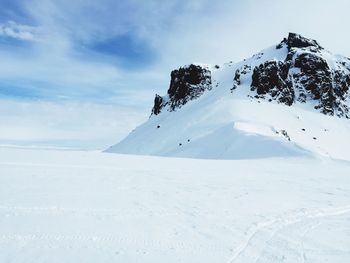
column 12, row 29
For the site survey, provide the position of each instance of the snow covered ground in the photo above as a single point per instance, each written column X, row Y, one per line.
column 75, row 206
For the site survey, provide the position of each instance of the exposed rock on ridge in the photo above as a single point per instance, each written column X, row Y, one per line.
column 304, row 76
column 187, row 83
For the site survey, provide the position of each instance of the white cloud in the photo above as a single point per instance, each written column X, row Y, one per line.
column 12, row 29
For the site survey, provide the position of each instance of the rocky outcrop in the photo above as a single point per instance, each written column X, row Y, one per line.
column 304, row 76
column 314, row 81
column 158, row 104
column 297, row 41
column 272, row 78
column 187, row 83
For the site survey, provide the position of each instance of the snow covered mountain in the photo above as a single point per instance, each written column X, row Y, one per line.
column 290, row 99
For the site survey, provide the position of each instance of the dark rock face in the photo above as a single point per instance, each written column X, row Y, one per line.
column 187, row 83
column 311, row 63
column 272, row 78
column 317, row 81
column 158, row 105
column 298, row 41
column 314, row 81
column 238, row 74
column 236, row 80
column 303, row 76
column 314, row 76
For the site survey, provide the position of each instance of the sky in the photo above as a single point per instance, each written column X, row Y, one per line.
column 83, row 73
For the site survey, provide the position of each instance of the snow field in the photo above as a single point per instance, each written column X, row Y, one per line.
column 65, row 206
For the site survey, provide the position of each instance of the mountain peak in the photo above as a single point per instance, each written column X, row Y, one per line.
column 302, row 71
column 295, row 40
column 278, row 102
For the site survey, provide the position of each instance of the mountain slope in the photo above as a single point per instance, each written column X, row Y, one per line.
column 287, row 100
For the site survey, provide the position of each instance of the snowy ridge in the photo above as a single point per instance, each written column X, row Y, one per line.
column 291, row 99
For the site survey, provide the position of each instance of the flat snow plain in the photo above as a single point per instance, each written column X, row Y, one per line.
column 76, row 206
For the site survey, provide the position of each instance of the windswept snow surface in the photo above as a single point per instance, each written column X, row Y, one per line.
column 65, row 206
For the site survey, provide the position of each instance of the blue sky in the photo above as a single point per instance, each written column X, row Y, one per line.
column 120, row 53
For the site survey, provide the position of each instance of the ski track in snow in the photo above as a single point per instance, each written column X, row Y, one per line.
column 246, row 249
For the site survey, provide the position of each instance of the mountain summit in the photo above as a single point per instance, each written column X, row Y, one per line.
column 290, row 99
